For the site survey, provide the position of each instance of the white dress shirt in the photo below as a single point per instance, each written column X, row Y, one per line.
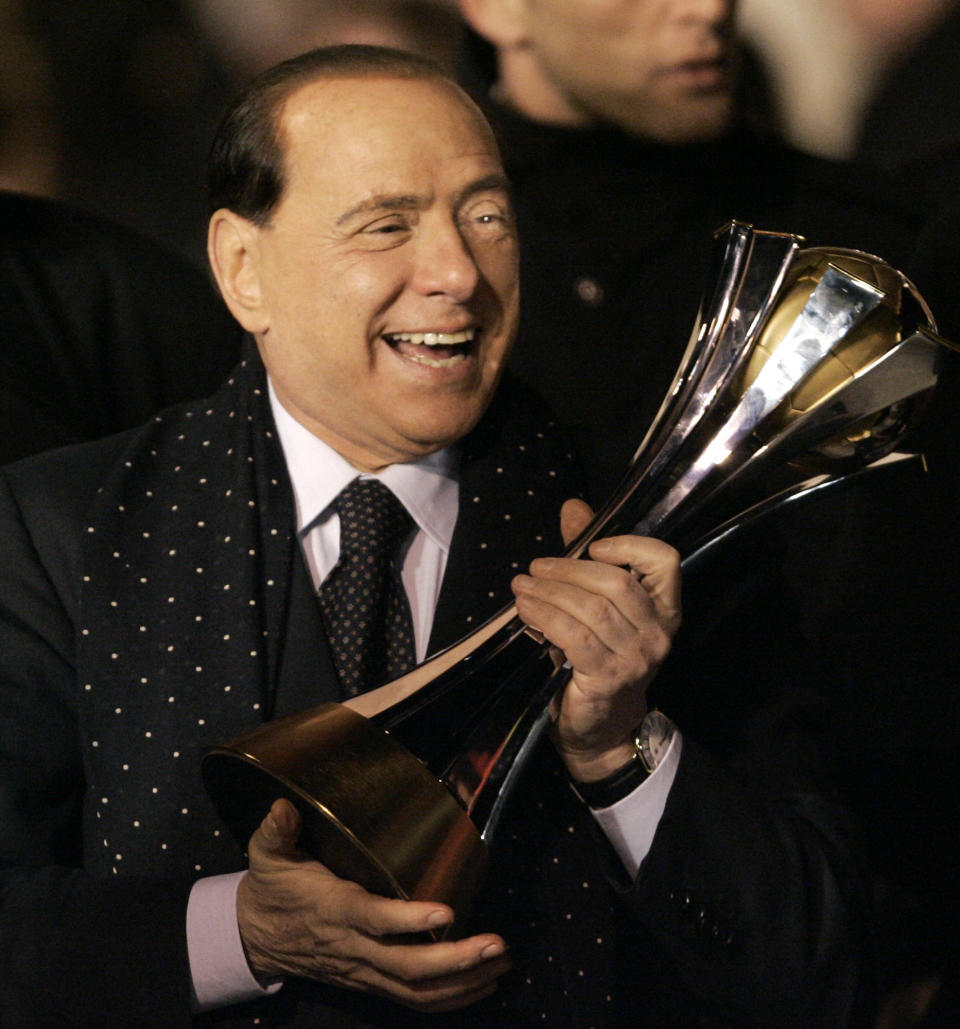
column 428, row 489
column 430, row 492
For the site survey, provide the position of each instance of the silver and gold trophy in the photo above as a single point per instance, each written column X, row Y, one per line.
column 804, row 367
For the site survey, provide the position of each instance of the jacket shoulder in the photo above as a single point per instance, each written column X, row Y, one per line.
column 44, row 500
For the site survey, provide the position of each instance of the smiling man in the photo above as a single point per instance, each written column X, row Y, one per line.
column 382, row 290
column 167, row 588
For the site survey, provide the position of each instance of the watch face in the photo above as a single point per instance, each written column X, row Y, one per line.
column 656, row 732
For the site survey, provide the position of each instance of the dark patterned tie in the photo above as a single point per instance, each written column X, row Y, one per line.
column 363, row 601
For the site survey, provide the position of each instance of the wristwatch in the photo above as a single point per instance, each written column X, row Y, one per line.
column 651, row 739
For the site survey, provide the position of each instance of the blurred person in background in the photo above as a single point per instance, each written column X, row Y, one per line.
column 834, row 65
column 252, row 35
column 29, row 139
column 915, row 111
column 627, row 149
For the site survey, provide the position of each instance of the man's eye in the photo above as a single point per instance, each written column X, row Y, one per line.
column 387, row 226
column 488, row 214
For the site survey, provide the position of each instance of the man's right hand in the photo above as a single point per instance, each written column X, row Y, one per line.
column 297, row 918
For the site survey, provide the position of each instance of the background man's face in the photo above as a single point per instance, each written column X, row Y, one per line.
column 394, row 233
column 657, row 68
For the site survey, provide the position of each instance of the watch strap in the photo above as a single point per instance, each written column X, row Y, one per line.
column 650, row 740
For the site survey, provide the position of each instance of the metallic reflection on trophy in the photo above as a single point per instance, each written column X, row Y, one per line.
column 804, row 366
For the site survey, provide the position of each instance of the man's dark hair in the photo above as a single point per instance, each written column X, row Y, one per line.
column 245, row 169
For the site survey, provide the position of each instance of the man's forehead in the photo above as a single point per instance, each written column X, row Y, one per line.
column 352, row 138
column 338, row 104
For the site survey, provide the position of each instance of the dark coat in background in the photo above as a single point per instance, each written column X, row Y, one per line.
column 616, row 244
column 848, row 601
column 100, row 328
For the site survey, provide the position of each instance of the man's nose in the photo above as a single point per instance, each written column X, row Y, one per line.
column 713, row 12
column 445, row 264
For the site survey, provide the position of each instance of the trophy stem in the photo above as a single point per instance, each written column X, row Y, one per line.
column 469, row 725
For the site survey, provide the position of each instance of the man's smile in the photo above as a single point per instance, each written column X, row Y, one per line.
column 436, row 349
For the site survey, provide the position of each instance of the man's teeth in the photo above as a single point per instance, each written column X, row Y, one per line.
column 413, row 346
column 433, row 339
column 438, row 362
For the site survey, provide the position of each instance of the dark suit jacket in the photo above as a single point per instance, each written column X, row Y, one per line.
column 152, row 601
column 846, row 606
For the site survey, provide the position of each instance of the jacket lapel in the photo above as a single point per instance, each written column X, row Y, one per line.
column 514, row 475
column 305, row 671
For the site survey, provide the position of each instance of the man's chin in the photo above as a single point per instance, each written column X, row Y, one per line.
column 689, row 120
column 427, row 438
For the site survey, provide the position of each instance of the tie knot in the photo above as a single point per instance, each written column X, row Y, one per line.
column 372, row 520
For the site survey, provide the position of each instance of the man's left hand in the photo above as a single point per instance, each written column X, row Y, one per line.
column 614, row 617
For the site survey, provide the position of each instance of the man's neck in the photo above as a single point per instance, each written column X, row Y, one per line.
column 523, row 87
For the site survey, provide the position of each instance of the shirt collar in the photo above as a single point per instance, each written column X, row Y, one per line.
column 427, row 488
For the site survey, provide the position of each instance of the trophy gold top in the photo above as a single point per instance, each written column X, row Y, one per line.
column 900, row 312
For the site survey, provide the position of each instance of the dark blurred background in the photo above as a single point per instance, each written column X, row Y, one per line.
column 109, row 105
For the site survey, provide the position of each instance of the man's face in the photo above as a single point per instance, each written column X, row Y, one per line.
column 659, row 69
column 388, row 271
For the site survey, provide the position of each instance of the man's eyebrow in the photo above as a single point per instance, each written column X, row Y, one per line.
column 391, row 202
column 381, row 203
column 495, row 181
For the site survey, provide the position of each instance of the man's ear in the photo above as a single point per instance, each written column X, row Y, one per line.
column 501, row 22
column 233, row 251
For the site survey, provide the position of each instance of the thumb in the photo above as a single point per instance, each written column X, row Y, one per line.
column 575, row 516
column 276, row 836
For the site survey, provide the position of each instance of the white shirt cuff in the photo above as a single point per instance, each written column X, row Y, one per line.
column 218, row 965
column 631, row 823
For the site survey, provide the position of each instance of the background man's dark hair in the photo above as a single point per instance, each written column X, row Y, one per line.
column 245, row 169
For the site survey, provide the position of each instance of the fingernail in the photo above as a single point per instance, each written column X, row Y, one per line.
column 601, row 546
column 522, row 582
column 438, row 918
column 543, row 565
column 492, row 950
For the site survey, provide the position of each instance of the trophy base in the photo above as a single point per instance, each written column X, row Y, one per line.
column 385, row 821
